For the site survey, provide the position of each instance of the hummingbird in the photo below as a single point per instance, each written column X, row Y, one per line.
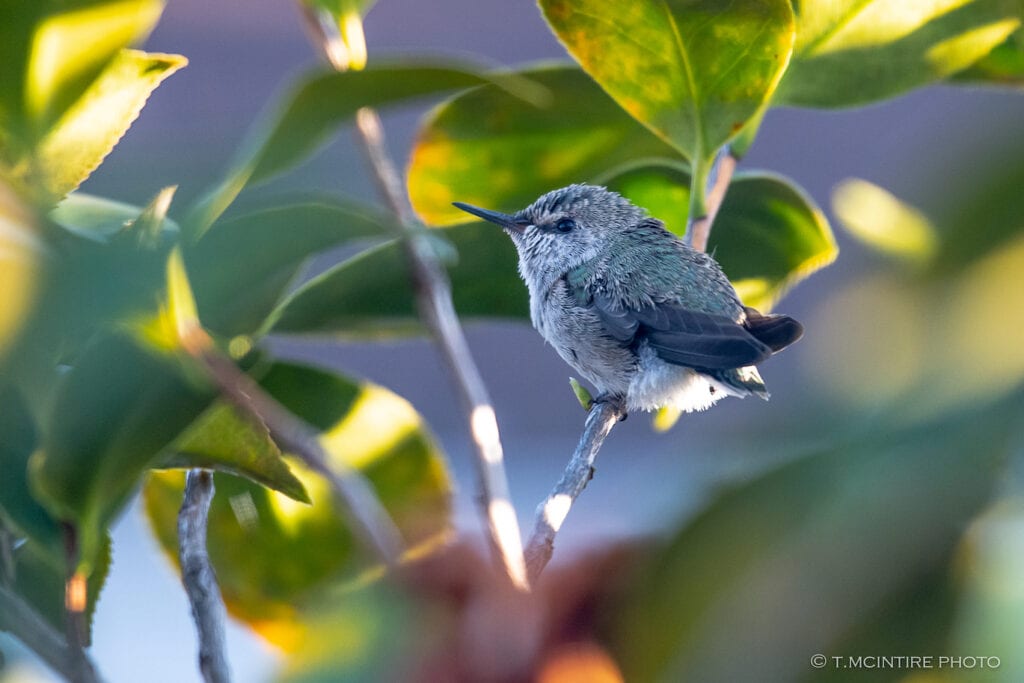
column 648, row 320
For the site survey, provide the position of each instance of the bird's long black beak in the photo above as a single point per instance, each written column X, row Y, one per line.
column 503, row 219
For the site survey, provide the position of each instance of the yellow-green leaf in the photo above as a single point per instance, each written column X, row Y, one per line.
column 70, row 48
column 490, row 148
column 851, row 52
column 80, row 139
column 275, row 558
column 880, row 220
column 221, row 439
column 693, row 71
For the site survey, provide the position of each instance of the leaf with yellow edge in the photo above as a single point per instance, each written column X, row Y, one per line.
column 79, row 141
column 880, row 220
column 693, row 71
column 490, row 148
column 768, row 235
column 251, row 529
column 851, row 52
column 71, row 48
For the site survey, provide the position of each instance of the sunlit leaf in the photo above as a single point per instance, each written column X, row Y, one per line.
column 768, row 235
column 223, row 440
column 89, row 130
column 97, row 218
column 694, row 72
column 370, row 294
column 252, row 529
column 116, row 410
column 1003, row 66
column 71, row 47
column 21, row 255
column 242, row 266
column 851, row 52
column 490, row 148
column 880, row 220
column 784, row 565
column 321, row 103
column 40, row 579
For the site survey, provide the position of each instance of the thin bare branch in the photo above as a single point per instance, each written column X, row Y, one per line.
column 700, row 228
column 199, row 579
column 603, row 416
column 370, row 519
column 21, row 620
column 553, row 510
column 434, row 299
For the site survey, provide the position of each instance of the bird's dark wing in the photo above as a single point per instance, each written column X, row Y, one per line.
column 777, row 331
column 683, row 337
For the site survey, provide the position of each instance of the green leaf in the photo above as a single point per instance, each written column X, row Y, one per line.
column 490, row 148
column 880, row 220
column 320, row 104
column 40, row 580
column 768, row 235
column 18, row 439
column 72, row 46
column 79, row 141
column 98, row 219
column 692, row 71
column 851, row 52
column 1003, row 66
column 581, row 394
column 241, row 267
column 116, row 410
column 221, row 439
column 781, row 567
column 251, row 528
column 370, row 294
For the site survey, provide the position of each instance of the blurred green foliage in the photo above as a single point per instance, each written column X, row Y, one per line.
column 884, row 539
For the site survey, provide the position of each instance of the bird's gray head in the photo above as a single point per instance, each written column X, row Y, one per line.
column 563, row 228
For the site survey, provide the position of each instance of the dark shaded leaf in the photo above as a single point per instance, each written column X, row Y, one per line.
column 241, row 267
column 115, row 411
column 370, row 294
column 782, row 567
column 320, row 104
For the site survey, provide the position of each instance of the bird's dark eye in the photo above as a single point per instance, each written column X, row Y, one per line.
column 565, row 225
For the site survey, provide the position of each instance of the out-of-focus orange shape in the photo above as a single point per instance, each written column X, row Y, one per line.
column 579, row 663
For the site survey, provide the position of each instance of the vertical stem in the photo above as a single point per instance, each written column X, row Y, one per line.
column 434, row 299
column 199, row 579
column 705, row 202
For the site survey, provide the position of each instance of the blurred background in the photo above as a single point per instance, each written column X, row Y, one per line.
column 867, row 323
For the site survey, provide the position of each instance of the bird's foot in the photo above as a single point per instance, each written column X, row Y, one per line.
column 616, row 401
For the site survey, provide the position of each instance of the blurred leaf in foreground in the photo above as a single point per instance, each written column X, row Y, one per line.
column 780, row 567
column 1003, row 66
column 252, row 529
column 851, row 52
column 880, row 220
